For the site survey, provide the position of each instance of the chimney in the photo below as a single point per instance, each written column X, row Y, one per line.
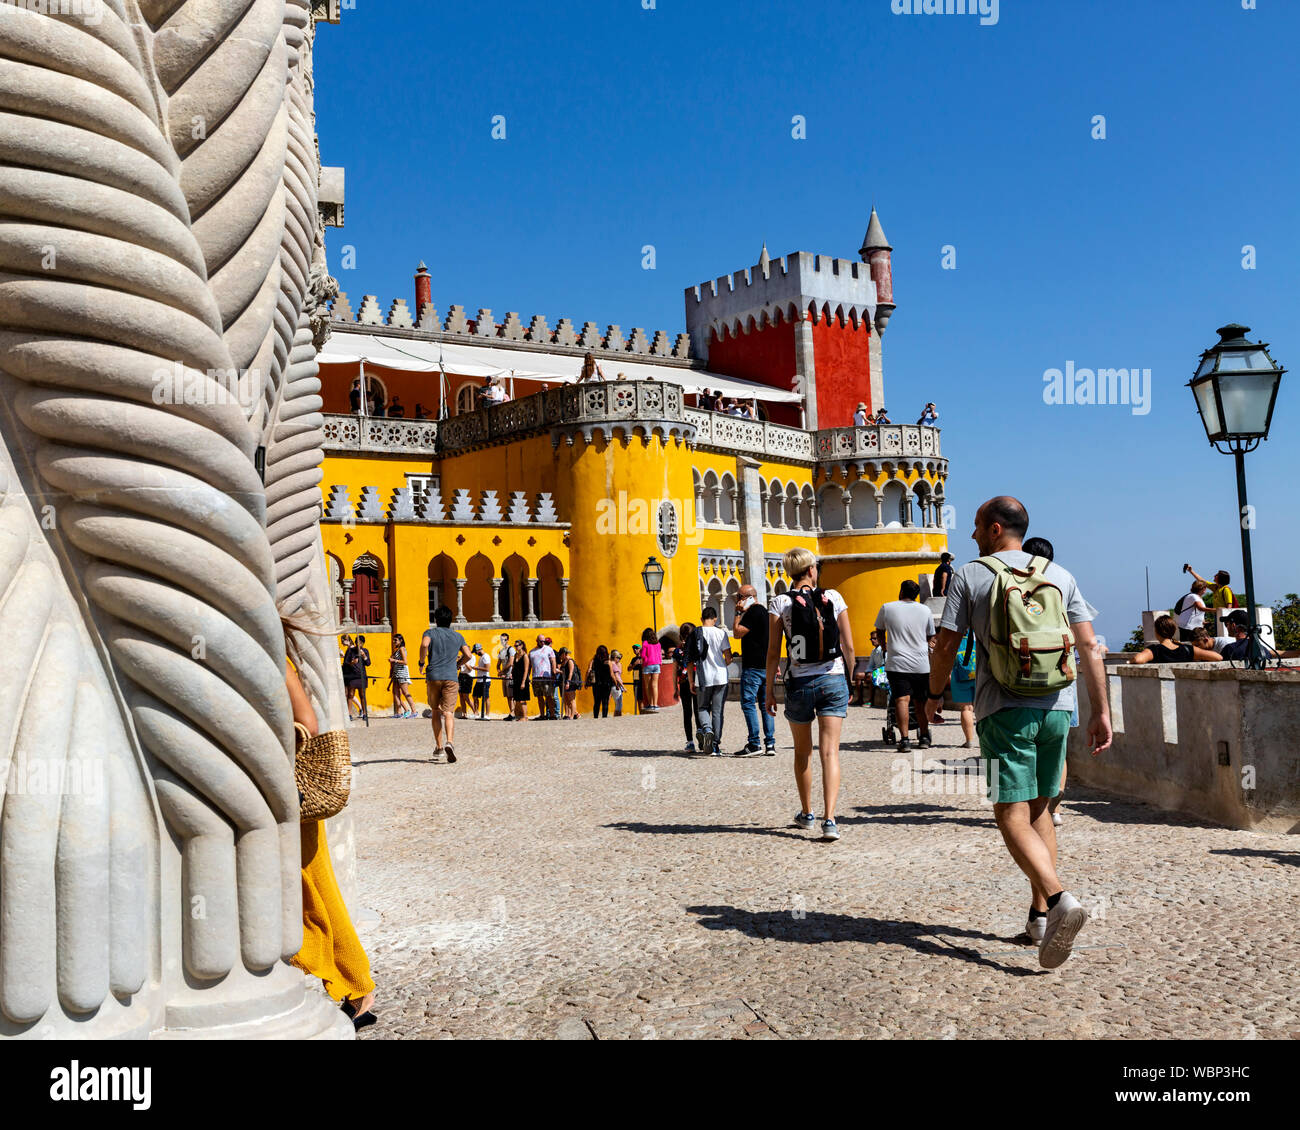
column 423, row 288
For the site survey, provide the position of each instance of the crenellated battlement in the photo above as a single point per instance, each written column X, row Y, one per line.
column 536, row 331
column 798, row 286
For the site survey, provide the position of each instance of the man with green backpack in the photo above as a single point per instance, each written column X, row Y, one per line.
column 1027, row 615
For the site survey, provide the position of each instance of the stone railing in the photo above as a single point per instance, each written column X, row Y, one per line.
column 369, row 433
column 907, row 441
column 734, row 433
column 585, row 408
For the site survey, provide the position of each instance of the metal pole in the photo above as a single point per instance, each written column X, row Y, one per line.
column 1254, row 653
column 1148, row 587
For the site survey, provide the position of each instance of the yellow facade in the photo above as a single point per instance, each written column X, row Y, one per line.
column 607, row 491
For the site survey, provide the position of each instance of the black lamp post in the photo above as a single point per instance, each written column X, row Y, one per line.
column 652, row 576
column 1235, row 388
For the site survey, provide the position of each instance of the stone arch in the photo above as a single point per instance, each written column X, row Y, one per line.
column 466, row 398
column 892, row 503
column 924, row 496
column 514, row 572
column 727, row 500
column 830, row 507
column 442, row 583
column 334, row 565
column 775, row 504
column 807, row 508
column 477, row 597
column 792, row 506
column 713, row 595
column 549, row 572
column 373, row 384
column 862, row 506
column 698, row 485
column 727, row 613
column 711, row 498
column 367, row 591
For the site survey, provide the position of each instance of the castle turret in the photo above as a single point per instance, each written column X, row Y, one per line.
column 878, row 255
column 423, row 289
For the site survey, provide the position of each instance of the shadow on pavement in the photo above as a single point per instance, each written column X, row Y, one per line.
column 815, row 927
column 651, row 753
column 707, row 829
column 1117, row 810
column 1289, row 858
column 914, row 814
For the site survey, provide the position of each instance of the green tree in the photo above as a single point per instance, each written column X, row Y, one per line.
column 1136, row 642
column 1286, row 622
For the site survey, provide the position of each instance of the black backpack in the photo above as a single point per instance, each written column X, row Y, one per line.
column 814, row 634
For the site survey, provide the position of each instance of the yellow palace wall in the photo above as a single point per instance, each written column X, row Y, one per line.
column 608, row 493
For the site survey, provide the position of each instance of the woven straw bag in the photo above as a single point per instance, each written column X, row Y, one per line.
column 322, row 769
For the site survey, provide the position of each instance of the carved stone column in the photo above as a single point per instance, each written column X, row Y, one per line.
column 460, row 600
column 496, row 599
column 847, row 499
column 386, row 622
column 880, row 510
column 749, row 517
column 735, row 505
column 347, row 584
column 530, row 600
column 564, row 598
column 717, row 503
column 908, row 500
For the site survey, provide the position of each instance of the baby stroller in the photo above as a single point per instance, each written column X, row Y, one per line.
column 890, row 732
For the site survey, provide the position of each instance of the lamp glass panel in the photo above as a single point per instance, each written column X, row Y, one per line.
column 1246, row 397
column 1207, row 366
column 1208, row 408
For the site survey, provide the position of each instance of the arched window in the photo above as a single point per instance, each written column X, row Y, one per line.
column 442, row 584
column 792, row 506
column 775, row 504
column 727, row 613
column 549, row 573
column 892, row 509
column 514, row 570
column 727, row 501
column 830, row 508
column 367, row 591
column 807, row 508
column 466, row 398
column 711, row 498
column 478, row 589
column 862, row 507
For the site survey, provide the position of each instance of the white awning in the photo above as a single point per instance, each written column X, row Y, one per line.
column 349, row 347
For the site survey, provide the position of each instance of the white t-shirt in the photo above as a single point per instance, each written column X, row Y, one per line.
column 711, row 667
column 1193, row 611
column 908, row 626
column 860, row 418
column 780, row 606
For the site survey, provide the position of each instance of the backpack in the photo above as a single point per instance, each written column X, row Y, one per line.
column 1030, row 640
column 963, row 669
column 814, row 634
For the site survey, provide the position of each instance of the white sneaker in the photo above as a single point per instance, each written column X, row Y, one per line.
column 1036, row 928
column 1064, row 921
column 1056, row 819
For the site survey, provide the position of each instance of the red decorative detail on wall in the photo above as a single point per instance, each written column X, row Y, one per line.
column 842, row 359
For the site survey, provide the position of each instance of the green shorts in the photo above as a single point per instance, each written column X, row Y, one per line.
column 1028, row 748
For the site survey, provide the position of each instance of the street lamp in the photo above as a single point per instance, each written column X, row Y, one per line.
column 1235, row 388
column 652, row 576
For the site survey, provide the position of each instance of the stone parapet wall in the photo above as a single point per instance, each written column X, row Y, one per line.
column 1213, row 741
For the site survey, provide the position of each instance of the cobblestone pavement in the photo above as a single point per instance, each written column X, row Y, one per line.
column 585, row 880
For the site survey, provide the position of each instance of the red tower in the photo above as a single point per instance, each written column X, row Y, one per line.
column 805, row 322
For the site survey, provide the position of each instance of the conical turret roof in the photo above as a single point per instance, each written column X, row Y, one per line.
column 875, row 238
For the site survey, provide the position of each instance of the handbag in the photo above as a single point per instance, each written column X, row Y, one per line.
column 322, row 770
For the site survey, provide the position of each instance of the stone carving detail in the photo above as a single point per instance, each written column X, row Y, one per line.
column 372, row 509
column 546, row 508
column 518, row 508
column 402, row 507
column 489, row 507
column 186, row 253
column 462, row 507
column 339, row 507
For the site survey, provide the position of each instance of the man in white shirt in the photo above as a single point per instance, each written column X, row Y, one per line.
column 505, row 655
column 541, row 660
column 906, row 629
column 860, row 416
column 1190, row 612
column 709, row 677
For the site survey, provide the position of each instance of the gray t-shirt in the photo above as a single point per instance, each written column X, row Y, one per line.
column 444, row 646
column 967, row 607
column 908, row 627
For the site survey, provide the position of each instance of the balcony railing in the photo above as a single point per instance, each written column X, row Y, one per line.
column 587, row 407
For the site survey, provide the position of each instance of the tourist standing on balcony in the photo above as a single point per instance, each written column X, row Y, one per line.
column 601, row 681
column 541, row 661
column 928, row 415
column 420, row 413
column 354, row 397
column 377, row 401
column 400, row 679
column 860, row 416
column 1190, row 611
column 396, row 409
column 504, row 660
column 707, row 401
column 882, row 417
column 1023, row 738
column 652, row 657
column 943, row 575
column 750, row 626
column 711, row 656
column 616, row 673
column 906, row 629
column 591, row 371
column 815, row 623
column 441, row 649
column 681, row 658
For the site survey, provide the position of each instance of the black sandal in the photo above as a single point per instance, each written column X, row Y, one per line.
column 366, row 1019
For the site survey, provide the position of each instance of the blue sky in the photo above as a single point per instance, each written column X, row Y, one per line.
column 672, row 127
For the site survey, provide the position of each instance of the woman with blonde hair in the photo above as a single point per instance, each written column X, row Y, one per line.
column 815, row 622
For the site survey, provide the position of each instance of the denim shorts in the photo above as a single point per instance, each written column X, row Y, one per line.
column 816, row 696
column 650, row 669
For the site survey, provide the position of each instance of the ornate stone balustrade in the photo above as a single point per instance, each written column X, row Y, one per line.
column 734, row 433
column 369, row 433
column 908, row 441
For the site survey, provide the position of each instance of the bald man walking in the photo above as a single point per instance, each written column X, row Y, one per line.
column 1022, row 737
